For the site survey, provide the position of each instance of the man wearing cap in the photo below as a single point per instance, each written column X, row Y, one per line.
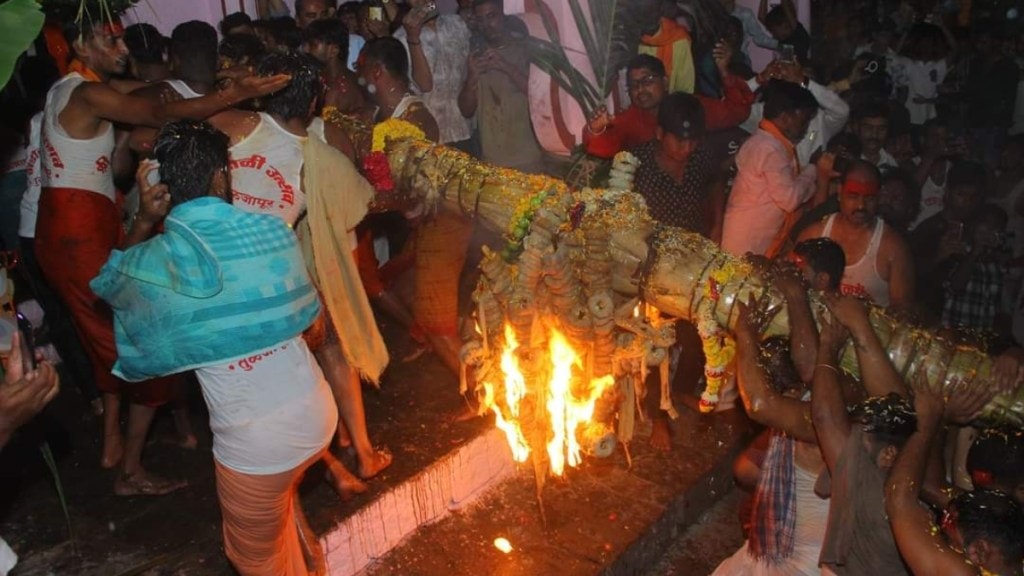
column 878, row 267
column 673, row 169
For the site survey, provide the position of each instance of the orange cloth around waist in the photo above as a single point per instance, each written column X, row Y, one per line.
column 441, row 245
column 75, row 232
column 263, row 523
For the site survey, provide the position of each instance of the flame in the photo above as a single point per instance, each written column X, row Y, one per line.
column 569, row 401
column 515, row 391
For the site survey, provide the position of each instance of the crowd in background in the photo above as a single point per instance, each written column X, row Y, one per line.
column 878, row 158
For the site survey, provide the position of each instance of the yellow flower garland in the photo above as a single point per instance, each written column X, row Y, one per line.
column 719, row 348
column 393, row 129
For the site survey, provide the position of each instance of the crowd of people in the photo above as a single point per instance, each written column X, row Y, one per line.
column 189, row 213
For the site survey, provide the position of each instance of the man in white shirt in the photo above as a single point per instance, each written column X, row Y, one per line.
column 833, row 111
column 772, row 181
column 271, row 409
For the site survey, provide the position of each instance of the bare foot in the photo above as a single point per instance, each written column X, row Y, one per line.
column 345, row 484
column 661, row 435
column 113, row 451
column 380, row 460
column 145, row 484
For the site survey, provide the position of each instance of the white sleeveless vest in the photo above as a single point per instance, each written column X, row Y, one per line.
column 68, row 162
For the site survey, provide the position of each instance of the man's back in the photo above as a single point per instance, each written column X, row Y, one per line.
column 767, row 188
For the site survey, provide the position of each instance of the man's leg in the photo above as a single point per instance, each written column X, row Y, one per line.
column 261, row 517
column 60, row 327
column 348, row 394
column 113, row 440
column 133, row 479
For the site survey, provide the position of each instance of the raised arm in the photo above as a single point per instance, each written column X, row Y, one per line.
column 764, row 405
column 828, row 410
column 803, row 333
column 105, row 103
column 420, row 66
column 469, row 95
column 920, row 542
column 734, row 107
column 879, row 376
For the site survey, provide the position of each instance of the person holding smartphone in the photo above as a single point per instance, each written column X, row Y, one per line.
column 25, row 389
column 438, row 46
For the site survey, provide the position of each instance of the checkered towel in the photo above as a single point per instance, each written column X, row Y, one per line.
column 774, row 515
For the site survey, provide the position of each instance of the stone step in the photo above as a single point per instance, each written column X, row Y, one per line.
column 604, row 518
column 446, row 485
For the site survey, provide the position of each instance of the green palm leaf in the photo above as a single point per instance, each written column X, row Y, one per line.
column 609, row 34
column 20, row 23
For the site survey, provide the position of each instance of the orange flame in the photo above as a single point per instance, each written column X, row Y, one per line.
column 569, row 402
column 515, row 391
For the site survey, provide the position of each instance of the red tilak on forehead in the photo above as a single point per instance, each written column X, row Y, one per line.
column 860, row 188
column 115, row 29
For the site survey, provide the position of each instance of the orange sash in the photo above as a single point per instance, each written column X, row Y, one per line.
column 77, row 65
column 779, row 242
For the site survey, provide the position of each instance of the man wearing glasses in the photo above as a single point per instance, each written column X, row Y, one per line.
column 604, row 135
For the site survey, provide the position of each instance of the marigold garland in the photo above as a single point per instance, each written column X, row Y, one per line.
column 375, row 164
column 393, row 129
column 719, row 348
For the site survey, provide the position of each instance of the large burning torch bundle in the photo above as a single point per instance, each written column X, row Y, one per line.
column 578, row 307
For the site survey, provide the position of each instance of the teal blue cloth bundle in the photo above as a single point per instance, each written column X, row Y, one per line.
column 217, row 284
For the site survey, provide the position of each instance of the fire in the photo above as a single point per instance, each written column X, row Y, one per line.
column 515, row 391
column 568, row 399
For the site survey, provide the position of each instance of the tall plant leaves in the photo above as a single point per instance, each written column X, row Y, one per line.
column 20, row 23
column 609, row 35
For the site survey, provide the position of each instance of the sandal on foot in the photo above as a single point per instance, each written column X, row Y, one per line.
column 143, row 484
column 382, row 458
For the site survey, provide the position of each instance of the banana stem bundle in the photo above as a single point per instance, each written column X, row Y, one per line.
column 669, row 268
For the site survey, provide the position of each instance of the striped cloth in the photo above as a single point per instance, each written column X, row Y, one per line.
column 773, row 529
column 218, row 283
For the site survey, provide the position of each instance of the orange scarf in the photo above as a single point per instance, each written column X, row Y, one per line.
column 77, row 65
column 669, row 32
column 671, row 45
column 779, row 242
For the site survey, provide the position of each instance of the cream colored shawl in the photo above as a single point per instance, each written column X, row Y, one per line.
column 337, row 199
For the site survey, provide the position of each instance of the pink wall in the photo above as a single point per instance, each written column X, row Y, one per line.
column 166, row 14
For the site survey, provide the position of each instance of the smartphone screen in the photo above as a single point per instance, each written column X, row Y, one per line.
column 28, row 348
column 786, row 53
column 376, row 13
